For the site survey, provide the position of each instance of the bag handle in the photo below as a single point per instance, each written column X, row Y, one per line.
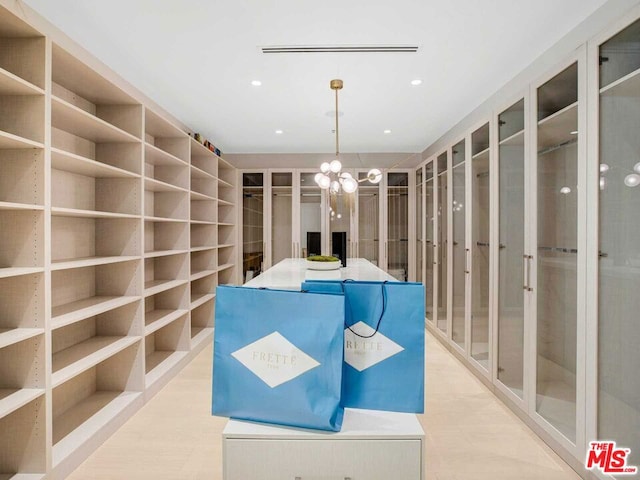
column 384, row 309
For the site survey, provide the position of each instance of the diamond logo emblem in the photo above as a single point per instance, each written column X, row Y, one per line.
column 362, row 353
column 274, row 359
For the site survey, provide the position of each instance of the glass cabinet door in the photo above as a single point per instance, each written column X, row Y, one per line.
column 419, row 239
column 511, row 193
column 556, row 259
column 252, row 224
column 281, row 216
column 459, row 258
column 311, row 231
column 429, row 259
column 619, row 242
column 442, row 245
column 368, row 241
column 398, row 225
column 480, row 253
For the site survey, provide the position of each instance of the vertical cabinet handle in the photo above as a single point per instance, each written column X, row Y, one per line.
column 467, row 270
column 527, row 272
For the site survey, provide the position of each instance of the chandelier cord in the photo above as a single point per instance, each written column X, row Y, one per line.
column 337, row 134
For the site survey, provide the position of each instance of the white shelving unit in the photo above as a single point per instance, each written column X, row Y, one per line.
column 109, row 245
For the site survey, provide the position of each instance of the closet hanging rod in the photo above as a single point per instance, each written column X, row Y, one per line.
column 558, row 249
column 553, row 148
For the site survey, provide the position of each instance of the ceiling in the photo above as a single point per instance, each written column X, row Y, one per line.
column 197, row 59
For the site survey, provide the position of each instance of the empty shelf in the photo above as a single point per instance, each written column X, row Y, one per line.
column 202, row 274
column 224, row 183
column 11, row 84
column 156, row 319
column 158, row 363
column 21, row 476
column 225, row 245
column 481, row 155
column 198, row 299
column 89, row 262
column 200, row 196
column 203, row 222
column 225, row 266
column 165, row 219
column 153, row 185
column 74, row 427
column 19, row 206
column 556, row 129
column 627, row 86
column 517, row 139
column 163, row 253
column 76, row 359
column 9, row 336
column 11, row 141
column 17, row 271
column 76, row 121
column 156, row 156
column 200, row 334
column 203, row 249
column 74, row 212
column 157, row 286
column 199, row 173
column 13, row 399
column 70, row 162
column 75, row 311
column 224, row 203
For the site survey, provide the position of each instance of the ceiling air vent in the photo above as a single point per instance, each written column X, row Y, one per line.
column 340, row 49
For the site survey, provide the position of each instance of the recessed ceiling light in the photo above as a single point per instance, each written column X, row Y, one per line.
column 387, row 131
column 279, row 132
column 256, row 83
column 416, row 82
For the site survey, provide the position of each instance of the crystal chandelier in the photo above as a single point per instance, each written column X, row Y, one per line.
column 331, row 176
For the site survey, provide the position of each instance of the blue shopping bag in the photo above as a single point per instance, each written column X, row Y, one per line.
column 383, row 343
column 278, row 357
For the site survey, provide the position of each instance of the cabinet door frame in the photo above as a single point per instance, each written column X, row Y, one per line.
column 479, row 368
column 384, row 230
column 577, row 449
column 465, row 349
column 266, row 225
column 522, row 403
column 593, row 220
column 433, row 246
column 269, row 215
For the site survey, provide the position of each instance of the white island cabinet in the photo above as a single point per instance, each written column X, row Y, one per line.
column 372, row 445
column 291, row 272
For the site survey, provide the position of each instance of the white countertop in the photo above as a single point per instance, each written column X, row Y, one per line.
column 291, row 272
column 357, row 423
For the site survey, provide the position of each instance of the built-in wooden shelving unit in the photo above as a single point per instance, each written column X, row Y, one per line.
column 109, row 250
